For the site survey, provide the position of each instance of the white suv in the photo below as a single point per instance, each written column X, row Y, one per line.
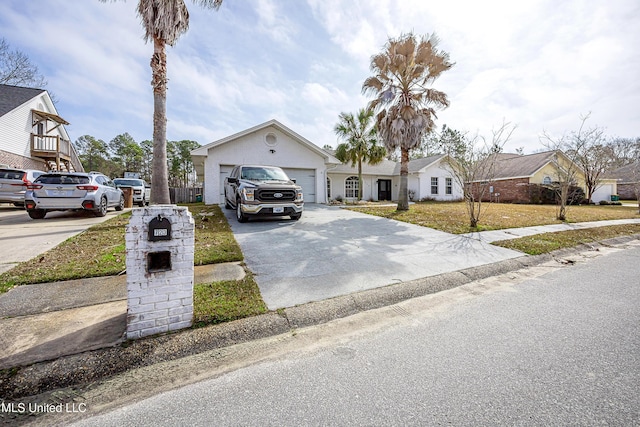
column 13, row 184
column 61, row 191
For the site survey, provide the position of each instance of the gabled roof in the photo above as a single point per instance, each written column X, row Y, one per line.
column 418, row 164
column 11, row 97
column 511, row 165
column 329, row 158
column 628, row 174
column 386, row 167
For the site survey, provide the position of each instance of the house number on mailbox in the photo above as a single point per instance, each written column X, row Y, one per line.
column 159, row 229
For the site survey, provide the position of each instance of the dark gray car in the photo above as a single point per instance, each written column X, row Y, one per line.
column 62, row 191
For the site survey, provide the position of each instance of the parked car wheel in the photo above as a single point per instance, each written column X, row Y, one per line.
column 143, row 203
column 102, row 209
column 239, row 214
column 296, row 217
column 121, row 204
column 37, row 213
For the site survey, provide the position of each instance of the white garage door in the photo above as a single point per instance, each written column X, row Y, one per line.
column 225, row 170
column 602, row 193
column 305, row 178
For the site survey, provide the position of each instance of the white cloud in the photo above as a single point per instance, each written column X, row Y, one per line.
column 539, row 64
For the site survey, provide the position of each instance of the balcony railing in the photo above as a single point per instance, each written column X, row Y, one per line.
column 55, row 149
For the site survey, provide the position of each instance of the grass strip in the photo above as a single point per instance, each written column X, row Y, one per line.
column 219, row 302
column 548, row 242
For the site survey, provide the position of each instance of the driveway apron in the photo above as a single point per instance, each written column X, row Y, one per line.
column 333, row 251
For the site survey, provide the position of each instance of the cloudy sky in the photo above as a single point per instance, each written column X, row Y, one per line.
column 538, row 64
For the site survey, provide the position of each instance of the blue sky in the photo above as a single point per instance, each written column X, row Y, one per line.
column 536, row 64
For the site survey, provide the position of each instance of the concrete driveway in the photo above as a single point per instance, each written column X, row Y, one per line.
column 333, row 251
column 22, row 238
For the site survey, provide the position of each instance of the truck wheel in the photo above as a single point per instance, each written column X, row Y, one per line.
column 239, row 214
column 296, row 217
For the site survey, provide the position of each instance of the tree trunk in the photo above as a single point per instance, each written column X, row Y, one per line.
column 360, row 179
column 159, row 182
column 403, row 196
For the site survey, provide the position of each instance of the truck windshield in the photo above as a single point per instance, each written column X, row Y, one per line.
column 263, row 174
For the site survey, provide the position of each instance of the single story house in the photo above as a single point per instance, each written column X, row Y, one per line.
column 322, row 176
column 271, row 144
column 628, row 181
column 515, row 174
column 32, row 134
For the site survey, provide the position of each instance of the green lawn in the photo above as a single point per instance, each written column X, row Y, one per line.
column 453, row 218
column 100, row 250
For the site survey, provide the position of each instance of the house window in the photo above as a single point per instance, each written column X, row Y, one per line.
column 448, row 186
column 328, row 188
column 546, row 180
column 351, row 187
column 434, row 185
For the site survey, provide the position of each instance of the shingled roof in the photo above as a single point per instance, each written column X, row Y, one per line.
column 629, row 174
column 11, row 97
column 516, row 166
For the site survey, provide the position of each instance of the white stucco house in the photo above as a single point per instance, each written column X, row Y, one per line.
column 321, row 175
column 271, row 144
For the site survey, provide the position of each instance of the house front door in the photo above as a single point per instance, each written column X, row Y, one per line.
column 384, row 189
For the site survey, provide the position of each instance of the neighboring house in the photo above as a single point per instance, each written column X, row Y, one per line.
column 321, row 175
column 272, row 144
column 628, row 181
column 514, row 175
column 32, row 134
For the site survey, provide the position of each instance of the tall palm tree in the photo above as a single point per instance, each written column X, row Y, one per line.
column 403, row 100
column 360, row 143
column 164, row 21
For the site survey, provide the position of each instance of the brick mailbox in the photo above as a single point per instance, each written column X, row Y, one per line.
column 159, row 242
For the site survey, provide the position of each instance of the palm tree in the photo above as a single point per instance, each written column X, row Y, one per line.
column 164, row 21
column 404, row 102
column 361, row 142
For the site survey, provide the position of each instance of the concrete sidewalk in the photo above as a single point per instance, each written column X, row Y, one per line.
column 514, row 233
column 47, row 321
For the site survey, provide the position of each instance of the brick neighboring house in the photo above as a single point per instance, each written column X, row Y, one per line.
column 515, row 174
column 628, row 181
column 32, row 134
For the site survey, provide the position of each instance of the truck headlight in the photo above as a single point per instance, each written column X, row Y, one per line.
column 248, row 194
column 299, row 196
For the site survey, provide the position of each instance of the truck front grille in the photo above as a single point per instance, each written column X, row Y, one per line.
column 265, row 195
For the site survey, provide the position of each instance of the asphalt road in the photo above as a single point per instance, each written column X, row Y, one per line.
column 556, row 344
column 23, row 238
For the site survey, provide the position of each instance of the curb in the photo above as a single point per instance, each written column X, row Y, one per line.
column 90, row 366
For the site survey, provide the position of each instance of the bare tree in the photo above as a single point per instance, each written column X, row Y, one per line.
column 567, row 172
column 590, row 149
column 17, row 70
column 472, row 162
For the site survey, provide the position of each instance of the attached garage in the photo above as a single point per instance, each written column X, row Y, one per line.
column 269, row 144
column 305, row 178
column 604, row 191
